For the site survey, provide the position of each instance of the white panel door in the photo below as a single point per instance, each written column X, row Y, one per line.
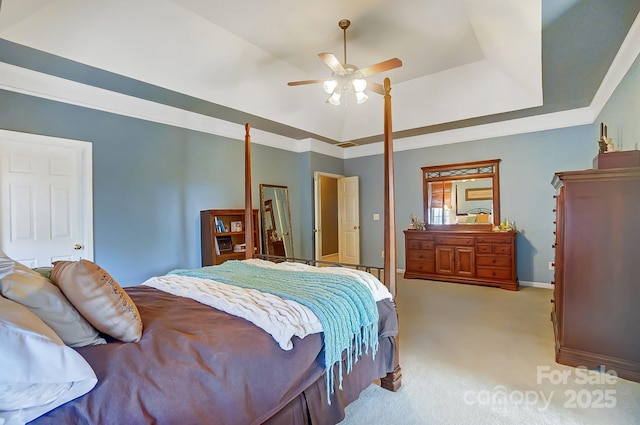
column 43, row 191
column 349, row 220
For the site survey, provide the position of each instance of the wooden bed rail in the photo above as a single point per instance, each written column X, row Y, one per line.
column 374, row 270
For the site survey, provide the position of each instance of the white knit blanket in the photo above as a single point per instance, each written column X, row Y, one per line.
column 280, row 318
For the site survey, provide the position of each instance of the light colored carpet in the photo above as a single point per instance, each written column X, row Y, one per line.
column 479, row 355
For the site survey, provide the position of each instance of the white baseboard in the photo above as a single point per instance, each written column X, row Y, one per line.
column 544, row 285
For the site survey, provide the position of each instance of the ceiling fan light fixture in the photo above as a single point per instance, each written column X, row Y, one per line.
column 329, row 85
column 347, row 81
column 359, row 85
column 334, row 99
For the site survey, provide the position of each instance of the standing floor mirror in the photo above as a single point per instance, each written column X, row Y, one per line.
column 276, row 220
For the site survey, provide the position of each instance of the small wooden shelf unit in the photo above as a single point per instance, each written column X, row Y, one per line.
column 209, row 236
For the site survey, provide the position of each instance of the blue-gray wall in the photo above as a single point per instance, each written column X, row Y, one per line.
column 151, row 180
column 621, row 114
column 528, row 164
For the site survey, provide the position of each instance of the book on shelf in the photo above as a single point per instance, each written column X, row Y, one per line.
column 219, row 225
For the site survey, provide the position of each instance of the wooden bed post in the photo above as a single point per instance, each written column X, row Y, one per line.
column 248, row 208
column 392, row 380
column 389, row 196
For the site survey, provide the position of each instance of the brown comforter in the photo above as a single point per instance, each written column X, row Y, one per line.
column 198, row 365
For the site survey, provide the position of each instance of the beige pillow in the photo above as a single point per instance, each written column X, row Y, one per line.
column 44, row 299
column 99, row 298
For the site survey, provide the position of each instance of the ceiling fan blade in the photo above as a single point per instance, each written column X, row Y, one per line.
column 299, row 83
column 375, row 87
column 332, row 62
column 381, row 67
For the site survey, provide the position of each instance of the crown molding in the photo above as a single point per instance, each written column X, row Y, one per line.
column 626, row 56
column 33, row 83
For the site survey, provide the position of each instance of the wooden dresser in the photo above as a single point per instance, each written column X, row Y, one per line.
column 596, row 301
column 476, row 257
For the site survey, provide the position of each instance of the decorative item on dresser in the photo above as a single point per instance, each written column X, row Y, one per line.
column 219, row 236
column 596, row 286
column 457, row 242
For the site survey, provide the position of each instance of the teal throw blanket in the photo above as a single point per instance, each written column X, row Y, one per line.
column 345, row 307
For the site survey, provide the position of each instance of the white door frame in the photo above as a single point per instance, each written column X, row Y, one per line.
column 317, row 229
column 85, row 183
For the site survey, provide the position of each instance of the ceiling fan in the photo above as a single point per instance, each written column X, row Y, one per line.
column 347, row 78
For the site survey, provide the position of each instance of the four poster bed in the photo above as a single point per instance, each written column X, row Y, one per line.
column 175, row 359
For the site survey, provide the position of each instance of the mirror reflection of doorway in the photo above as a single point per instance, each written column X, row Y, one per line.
column 276, row 220
column 337, row 223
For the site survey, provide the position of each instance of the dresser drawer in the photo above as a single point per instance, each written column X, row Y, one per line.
column 493, row 239
column 421, row 266
column 493, row 260
column 418, row 235
column 455, row 240
column 493, row 249
column 421, row 255
column 484, row 249
column 502, row 249
column 503, row 274
column 420, row 244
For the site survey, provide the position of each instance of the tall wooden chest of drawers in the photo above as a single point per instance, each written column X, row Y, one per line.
column 475, row 257
column 596, row 300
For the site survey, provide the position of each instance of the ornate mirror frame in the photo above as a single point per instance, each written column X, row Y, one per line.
column 462, row 172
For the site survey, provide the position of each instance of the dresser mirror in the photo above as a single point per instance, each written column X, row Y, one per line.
column 462, row 196
column 276, row 220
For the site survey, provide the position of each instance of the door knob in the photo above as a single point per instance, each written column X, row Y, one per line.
column 77, row 246
column 356, row 227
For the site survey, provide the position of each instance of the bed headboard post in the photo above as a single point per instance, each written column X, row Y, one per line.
column 248, row 208
column 389, row 196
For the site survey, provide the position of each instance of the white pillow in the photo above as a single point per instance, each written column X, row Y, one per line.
column 6, row 265
column 39, row 372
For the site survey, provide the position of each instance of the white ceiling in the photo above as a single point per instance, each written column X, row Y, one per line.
column 461, row 58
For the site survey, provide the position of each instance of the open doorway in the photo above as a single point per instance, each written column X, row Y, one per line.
column 337, row 223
